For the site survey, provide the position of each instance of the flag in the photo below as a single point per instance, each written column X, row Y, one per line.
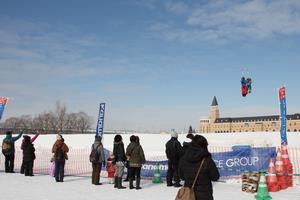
column 3, row 101
column 100, row 123
column 282, row 99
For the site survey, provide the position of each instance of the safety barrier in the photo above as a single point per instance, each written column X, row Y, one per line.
column 78, row 163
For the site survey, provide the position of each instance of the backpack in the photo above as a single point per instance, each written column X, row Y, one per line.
column 94, row 155
column 7, row 147
column 59, row 154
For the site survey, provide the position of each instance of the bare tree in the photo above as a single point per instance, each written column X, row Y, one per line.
column 83, row 122
column 61, row 113
column 11, row 123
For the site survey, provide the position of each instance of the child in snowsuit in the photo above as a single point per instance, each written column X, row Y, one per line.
column 110, row 167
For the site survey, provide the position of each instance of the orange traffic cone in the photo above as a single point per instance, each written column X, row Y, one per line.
column 287, row 165
column 272, row 181
column 280, row 170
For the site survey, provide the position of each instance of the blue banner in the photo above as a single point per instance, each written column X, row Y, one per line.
column 282, row 99
column 3, row 101
column 100, row 122
column 231, row 163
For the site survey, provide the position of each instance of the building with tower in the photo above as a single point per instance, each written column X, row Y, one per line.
column 215, row 124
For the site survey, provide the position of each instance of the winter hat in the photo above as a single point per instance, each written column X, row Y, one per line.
column 8, row 132
column 26, row 138
column 58, row 136
column 174, row 134
column 118, row 138
column 132, row 138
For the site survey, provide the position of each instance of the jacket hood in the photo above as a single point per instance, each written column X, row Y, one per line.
column 195, row 153
column 97, row 142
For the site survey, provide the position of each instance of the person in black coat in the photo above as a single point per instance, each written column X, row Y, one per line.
column 119, row 160
column 28, row 156
column 190, row 163
column 173, row 153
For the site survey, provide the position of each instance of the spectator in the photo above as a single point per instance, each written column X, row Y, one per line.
column 22, row 147
column 111, row 169
column 190, row 163
column 136, row 158
column 60, row 150
column 119, row 160
column 28, row 155
column 8, row 150
column 98, row 160
column 173, row 152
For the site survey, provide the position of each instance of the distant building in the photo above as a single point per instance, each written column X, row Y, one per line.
column 215, row 124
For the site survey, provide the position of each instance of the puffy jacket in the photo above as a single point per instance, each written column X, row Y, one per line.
column 173, row 150
column 135, row 155
column 63, row 146
column 12, row 140
column 119, row 152
column 188, row 167
column 28, row 150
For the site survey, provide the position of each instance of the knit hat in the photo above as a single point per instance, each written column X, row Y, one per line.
column 174, row 134
column 58, row 136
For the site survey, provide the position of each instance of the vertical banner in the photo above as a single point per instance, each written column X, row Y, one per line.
column 100, row 122
column 282, row 100
column 3, row 101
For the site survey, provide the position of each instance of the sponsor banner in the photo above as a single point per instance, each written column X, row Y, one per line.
column 3, row 101
column 231, row 163
column 235, row 162
column 100, row 122
column 282, row 99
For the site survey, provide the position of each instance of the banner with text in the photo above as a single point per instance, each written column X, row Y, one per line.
column 282, row 100
column 231, row 163
column 100, row 122
column 3, row 101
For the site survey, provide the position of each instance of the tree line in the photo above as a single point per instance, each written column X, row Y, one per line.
column 55, row 121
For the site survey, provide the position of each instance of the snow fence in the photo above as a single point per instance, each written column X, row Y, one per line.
column 231, row 162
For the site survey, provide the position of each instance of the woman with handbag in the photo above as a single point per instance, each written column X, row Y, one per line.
column 198, row 169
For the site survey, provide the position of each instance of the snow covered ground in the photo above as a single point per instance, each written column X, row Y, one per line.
column 43, row 187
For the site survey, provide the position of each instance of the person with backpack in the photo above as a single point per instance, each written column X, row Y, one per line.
column 135, row 158
column 198, row 155
column 173, row 152
column 28, row 155
column 8, row 150
column 119, row 160
column 60, row 150
column 97, row 159
column 22, row 148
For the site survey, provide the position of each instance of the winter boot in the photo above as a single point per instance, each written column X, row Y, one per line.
column 131, row 183
column 138, row 181
column 116, row 182
column 120, row 183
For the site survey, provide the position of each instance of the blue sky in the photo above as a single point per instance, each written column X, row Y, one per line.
column 157, row 64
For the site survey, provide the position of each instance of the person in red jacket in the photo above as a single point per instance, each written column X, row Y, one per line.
column 22, row 148
column 111, row 169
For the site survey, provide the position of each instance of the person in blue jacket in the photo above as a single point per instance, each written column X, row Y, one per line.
column 8, row 150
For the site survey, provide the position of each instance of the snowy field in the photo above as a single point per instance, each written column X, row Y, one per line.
column 43, row 187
